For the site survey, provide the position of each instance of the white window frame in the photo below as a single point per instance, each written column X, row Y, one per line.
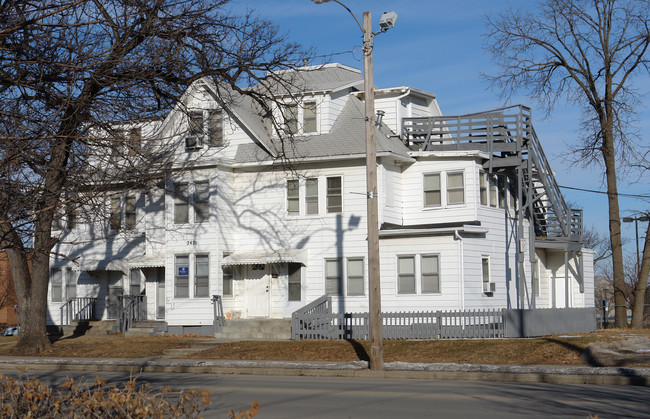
column 186, row 285
column 293, row 199
column 436, row 273
column 340, row 287
column 450, row 189
column 329, row 195
column 295, row 285
column 361, row 278
column 227, row 274
column 426, row 190
column 307, row 120
column 205, row 280
column 311, row 198
column 400, row 275
column 57, row 297
column 196, row 203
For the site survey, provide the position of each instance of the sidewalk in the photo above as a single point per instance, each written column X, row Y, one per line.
column 469, row 372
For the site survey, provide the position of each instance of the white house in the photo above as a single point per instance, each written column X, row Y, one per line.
column 470, row 215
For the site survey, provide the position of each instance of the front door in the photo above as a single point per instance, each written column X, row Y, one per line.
column 258, row 291
column 115, row 290
column 160, row 293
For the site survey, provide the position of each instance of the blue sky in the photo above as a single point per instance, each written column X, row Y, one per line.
column 437, row 46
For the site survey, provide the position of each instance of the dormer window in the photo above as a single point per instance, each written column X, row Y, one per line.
column 205, row 128
column 291, row 118
column 309, row 122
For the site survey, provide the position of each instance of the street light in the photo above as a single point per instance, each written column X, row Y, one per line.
column 386, row 22
column 636, row 228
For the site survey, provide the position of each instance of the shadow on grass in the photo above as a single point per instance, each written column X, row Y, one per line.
column 361, row 352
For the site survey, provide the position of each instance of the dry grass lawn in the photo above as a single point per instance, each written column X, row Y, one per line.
column 550, row 350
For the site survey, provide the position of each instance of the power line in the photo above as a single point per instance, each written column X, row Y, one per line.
column 627, row 195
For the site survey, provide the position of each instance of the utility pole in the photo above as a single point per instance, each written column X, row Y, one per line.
column 374, row 292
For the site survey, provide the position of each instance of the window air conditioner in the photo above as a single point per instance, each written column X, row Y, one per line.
column 489, row 287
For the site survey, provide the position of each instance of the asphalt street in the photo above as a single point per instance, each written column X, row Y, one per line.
column 351, row 397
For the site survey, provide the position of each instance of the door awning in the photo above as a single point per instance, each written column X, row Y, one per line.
column 279, row 256
column 100, row 265
column 156, row 260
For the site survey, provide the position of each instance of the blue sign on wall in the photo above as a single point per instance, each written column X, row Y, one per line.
column 183, row 271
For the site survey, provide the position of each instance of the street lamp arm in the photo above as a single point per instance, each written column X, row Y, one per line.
column 349, row 11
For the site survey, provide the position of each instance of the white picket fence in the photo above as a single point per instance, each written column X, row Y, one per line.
column 316, row 321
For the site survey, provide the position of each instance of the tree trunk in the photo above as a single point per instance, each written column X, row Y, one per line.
column 609, row 157
column 641, row 284
column 31, row 290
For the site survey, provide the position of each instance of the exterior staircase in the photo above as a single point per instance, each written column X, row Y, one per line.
column 507, row 136
column 256, row 329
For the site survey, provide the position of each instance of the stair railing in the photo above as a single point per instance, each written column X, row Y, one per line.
column 77, row 308
column 131, row 308
column 219, row 317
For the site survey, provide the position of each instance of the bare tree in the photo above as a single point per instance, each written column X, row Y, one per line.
column 588, row 51
column 76, row 72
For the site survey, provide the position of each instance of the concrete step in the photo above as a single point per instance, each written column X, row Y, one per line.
column 140, row 332
column 90, row 328
column 256, row 329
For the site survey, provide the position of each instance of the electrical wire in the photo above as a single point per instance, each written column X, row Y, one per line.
column 627, row 195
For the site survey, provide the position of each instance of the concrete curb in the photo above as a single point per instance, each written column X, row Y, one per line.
column 468, row 372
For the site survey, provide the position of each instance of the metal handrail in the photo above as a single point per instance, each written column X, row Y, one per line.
column 77, row 308
column 131, row 308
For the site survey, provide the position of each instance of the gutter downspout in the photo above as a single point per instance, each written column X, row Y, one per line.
column 461, row 271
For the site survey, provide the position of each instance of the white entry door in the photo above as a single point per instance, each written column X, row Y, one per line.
column 560, row 292
column 258, row 291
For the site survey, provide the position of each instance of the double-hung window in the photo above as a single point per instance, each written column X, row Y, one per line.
column 432, row 190
column 182, row 277
column 311, row 196
column 201, row 201
column 227, row 276
column 57, row 286
column 334, row 195
column 201, row 276
column 295, row 281
column 455, row 188
column 215, row 128
column 195, row 134
column 355, row 276
column 483, row 187
column 293, row 197
column 406, row 274
column 135, row 282
column 333, row 277
column 181, row 203
column 116, row 213
column 309, row 121
column 291, row 118
column 430, row 273
column 129, row 212
column 418, row 274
